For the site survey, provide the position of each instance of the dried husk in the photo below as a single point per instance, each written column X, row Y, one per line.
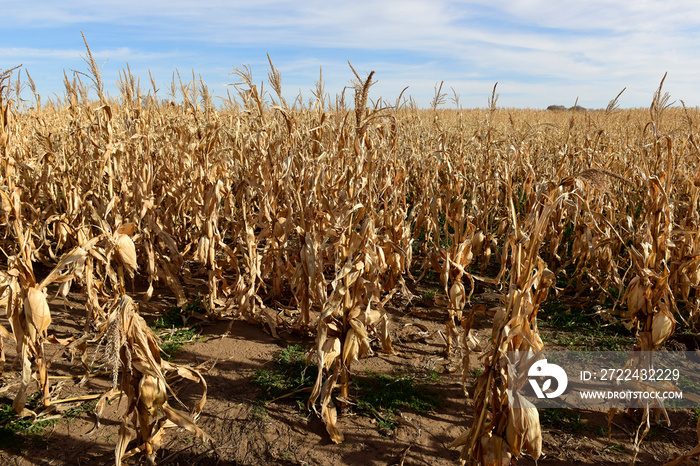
column 494, row 451
column 126, row 251
column 37, row 313
column 523, row 429
column 152, row 393
column 636, row 298
column 662, row 327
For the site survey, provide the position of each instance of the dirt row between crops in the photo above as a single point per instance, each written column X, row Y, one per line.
column 248, row 431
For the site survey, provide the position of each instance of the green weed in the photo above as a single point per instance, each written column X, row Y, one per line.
column 14, row 429
column 173, row 330
column 87, row 407
column 176, row 317
column 289, row 373
column 567, row 420
column 259, row 410
column 428, row 295
column 174, row 340
column 11, row 425
column 617, row 447
column 580, row 330
column 380, row 396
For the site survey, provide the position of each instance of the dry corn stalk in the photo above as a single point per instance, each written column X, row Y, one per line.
column 132, row 350
column 206, row 249
column 649, row 297
column 26, row 302
column 504, row 422
column 348, row 319
column 452, row 264
column 253, row 201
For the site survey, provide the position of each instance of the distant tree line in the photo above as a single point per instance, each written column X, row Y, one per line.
column 576, row 108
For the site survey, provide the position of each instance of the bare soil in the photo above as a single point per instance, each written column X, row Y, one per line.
column 247, row 431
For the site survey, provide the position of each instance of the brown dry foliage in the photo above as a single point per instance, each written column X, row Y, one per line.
column 315, row 218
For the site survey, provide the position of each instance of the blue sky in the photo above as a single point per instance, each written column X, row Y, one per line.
column 541, row 52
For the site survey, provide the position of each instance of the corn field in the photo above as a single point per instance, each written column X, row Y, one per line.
column 336, row 208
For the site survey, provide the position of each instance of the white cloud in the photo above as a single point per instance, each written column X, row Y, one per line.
column 552, row 49
column 13, row 53
column 121, row 53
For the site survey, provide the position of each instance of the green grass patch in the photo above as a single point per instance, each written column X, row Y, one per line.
column 173, row 330
column 381, row 396
column 565, row 419
column 14, row 430
column 616, row 447
column 176, row 339
column 177, row 317
column 581, row 330
column 428, row 295
column 289, row 373
column 378, row 396
column 87, row 407
column 12, row 425
column 259, row 410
